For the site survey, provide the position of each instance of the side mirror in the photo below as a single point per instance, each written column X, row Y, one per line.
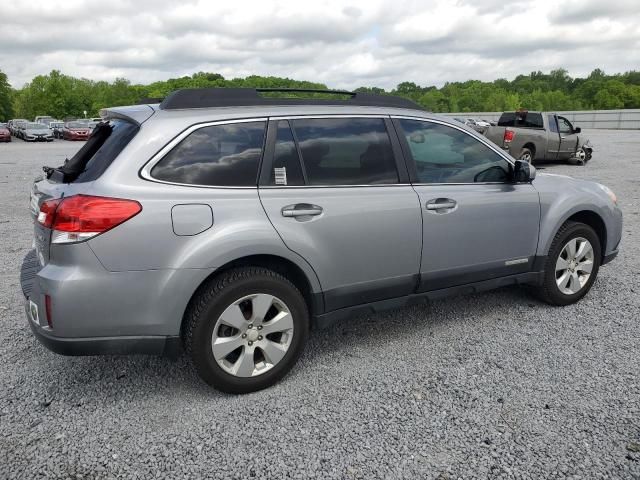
column 523, row 172
column 417, row 138
column 577, row 130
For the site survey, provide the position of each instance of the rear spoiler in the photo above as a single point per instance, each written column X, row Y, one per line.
column 134, row 113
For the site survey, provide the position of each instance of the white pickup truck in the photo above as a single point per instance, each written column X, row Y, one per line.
column 534, row 136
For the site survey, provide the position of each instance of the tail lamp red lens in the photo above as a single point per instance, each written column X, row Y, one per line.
column 509, row 135
column 80, row 217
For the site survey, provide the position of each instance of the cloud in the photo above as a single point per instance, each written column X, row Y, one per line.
column 370, row 42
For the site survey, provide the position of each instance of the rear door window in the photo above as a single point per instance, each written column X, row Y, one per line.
column 346, row 151
column 217, row 155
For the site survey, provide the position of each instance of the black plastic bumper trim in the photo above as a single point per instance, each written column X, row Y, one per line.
column 608, row 258
column 166, row 346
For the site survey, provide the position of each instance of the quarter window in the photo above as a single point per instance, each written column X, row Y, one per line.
column 443, row 154
column 286, row 168
column 218, row 155
column 346, row 151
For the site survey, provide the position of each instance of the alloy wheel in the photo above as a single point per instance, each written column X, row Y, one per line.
column 252, row 335
column 574, row 265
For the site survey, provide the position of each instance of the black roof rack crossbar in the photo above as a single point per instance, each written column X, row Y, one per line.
column 243, row 97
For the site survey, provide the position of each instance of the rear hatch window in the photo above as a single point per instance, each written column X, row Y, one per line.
column 106, row 142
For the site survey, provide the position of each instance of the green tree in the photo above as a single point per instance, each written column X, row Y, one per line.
column 6, row 98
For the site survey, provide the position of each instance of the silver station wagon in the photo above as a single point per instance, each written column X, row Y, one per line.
column 230, row 222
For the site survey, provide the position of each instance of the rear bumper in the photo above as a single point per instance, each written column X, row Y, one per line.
column 97, row 312
column 166, row 346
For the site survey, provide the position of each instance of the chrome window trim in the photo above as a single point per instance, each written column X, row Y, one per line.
column 289, row 187
column 483, row 140
column 145, row 172
column 328, row 115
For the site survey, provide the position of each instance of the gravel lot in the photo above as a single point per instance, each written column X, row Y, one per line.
column 496, row 385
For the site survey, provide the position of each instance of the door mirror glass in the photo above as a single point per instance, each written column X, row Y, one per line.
column 416, row 138
column 523, row 172
column 577, row 130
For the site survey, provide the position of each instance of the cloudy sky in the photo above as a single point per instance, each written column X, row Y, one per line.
column 343, row 44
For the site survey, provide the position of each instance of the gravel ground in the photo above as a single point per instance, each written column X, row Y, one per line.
column 496, row 385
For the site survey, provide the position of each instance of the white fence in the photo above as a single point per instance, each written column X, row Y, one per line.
column 606, row 119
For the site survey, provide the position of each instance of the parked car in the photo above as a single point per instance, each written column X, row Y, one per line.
column 36, row 132
column 56, row 129
column 14, row 125
column 534, row 136
column 231, row 224
column 45, row 119
column 76, row 131
column 19, row 127
column 478, row 125
column 5, row 134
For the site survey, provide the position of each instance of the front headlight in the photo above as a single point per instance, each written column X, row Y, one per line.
column 609, row 192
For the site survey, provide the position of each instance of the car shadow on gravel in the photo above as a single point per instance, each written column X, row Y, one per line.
column 397, row 324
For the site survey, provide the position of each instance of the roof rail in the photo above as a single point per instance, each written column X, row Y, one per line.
column 242, row 97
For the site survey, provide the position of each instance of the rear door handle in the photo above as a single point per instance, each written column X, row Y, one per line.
column 301, row 210
column 441, row 204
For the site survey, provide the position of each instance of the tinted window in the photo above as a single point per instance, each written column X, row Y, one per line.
column 530, row 120
column 521, row 119
column 104, row 145
column 565, row 125
column 444, row 154
column 553, row 124
column 507, row 119
column 222, row 155
column 286, row 168
column 346, row 151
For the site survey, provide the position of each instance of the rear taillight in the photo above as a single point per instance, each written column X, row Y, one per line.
column 80, row 217
column 509, row 135
column 47, row 211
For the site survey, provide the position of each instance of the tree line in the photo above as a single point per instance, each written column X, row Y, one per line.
column 63, row 96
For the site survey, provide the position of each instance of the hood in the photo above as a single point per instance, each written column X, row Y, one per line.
column 37, row 131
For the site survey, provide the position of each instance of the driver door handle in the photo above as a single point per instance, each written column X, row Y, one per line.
column 441, row 204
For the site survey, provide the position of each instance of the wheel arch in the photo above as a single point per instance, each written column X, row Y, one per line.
column 595, row 221
column 284, row 266
column 586, row 216
column 531, row 146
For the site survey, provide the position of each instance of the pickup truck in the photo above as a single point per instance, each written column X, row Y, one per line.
column 534, row 136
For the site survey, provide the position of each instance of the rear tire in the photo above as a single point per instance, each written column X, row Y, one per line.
column 527, row 155
column 259, row 316
column 569, row 276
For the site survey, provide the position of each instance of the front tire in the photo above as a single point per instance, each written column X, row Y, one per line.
column 245, row 329
column 572, row 264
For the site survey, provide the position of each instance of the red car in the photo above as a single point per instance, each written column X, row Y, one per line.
column 76, row 131
column 5, row 134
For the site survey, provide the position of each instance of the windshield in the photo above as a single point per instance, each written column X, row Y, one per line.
column 76, row 125
column 37, row 126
